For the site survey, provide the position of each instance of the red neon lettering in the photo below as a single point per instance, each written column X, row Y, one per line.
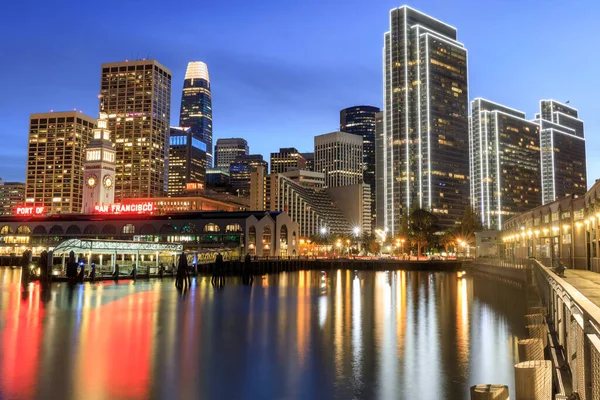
column 131, row 208
column 22, row 210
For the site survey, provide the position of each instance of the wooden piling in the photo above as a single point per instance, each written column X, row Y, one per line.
column 489, row 392
column 535, row 319
column 539, row 331
column 531, row 349
column 533, row 380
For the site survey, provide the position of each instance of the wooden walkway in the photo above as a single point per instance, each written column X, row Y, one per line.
column 587, row 282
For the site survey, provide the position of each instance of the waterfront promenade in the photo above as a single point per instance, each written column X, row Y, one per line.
column 586, row 282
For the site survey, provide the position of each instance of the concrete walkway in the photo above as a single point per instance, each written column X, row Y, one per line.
column 587, row 282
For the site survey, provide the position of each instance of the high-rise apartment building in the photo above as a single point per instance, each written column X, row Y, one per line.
column 425, row 118
column 505, row 154
column 227, row 150
column 339, row 156
column 310, row 160
column 136, row 96
column 187, row 161
column 57, row 142
column 563, row 151
column 381, row 205
column 361, row 120
column 240, row 172
column 196, row 106
column 287, row 159
column 12, row 194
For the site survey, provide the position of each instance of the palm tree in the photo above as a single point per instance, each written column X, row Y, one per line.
column 422, row 226
column 446, row 240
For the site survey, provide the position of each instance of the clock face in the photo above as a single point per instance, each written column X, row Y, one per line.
column 92, row 181
column 108, row 181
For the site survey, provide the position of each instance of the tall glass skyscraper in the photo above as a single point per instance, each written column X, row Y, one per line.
column 425, row 119
column 196, row 106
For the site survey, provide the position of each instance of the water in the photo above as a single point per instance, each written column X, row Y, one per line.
column 301, row 335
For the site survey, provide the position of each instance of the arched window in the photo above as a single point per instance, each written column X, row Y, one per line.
column 39, row 230
column 73, row 230
column 266, row 236
column 56, row 230
column 188, row 229
column 167, row 229
column 148, row 230
column 211, row 228
column 109, row 230
column 128, row 229
column 6, row 230
column 23, row 230
column 252, row 235
column 90, row 230
column 233, row 228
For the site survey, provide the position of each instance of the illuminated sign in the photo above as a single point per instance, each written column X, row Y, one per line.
column 30, row 210
column 126, row 208
column 194, row 186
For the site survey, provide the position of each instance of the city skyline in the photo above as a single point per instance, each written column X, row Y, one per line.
column 523, row 85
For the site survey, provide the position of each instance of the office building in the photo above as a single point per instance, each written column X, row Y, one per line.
column 310, row 161
column 361, row 120
column 99, row 168
column 187, row 162
column 196, row 106
column 287, row 159
column 505, row 156
column 57, row 142
column 136, row 96
column 217, row 180
column 381, row 203
column 227, row 150
column 12, row 195
column 240, row 172
column 338, row 155
column 425, row 118
column 563, row 151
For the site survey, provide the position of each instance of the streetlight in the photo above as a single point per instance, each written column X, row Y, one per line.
column 356, row 231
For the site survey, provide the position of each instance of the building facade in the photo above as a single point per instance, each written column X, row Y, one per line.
column 99, row 168
column 310, row 160
column 136, row 96
column 240, row 172
column 196, row 107
column 505, row 155
column 339, row 156
column 227, row 150
column 425, row 118
column 563, row 151
column 287, row 159
column 12, row 195
column 361, row 120
column 187, row 161
column 382, row 208
column 57, row 142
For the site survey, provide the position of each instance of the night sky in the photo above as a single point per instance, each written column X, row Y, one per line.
column 281, row 70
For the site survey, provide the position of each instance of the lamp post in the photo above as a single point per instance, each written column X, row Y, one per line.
column 356, row 231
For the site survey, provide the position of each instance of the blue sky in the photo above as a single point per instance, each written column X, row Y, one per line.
column 281, row 70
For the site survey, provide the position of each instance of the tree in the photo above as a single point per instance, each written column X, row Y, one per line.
column 469, row 224
column 446, row 239
column 374, row 247
column 422, row 226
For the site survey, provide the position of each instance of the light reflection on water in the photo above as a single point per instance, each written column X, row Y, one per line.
column 308, row 334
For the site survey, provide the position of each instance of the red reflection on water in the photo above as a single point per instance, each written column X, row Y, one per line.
column 114, row 358
column 21, row 341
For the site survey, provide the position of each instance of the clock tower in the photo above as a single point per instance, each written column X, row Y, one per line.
column 99, row 168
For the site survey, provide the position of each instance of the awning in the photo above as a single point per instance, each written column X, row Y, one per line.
column 115, row 246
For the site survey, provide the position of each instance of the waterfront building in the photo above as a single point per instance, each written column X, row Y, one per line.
column 310, row 160
column 196, row 107
column 563, row 151
column 339, row 156
column 56, row 153
column 136, row 96
column 187, row 162
column 505, row 155
column 99, row 168
column 361, row 120
column 425, row 118
column 240, row 172
column 287, row 159
column 12, row 194
column 227, row 150
column 238, row 232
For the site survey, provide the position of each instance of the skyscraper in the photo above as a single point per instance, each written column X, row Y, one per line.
column 287, row 159
column 505, row 155
column 310, row 160
column 563, row 151
column 339, row 156
column 57, row 142
column 136, row 95
column 227, row 150
column 187, row 162
column 380, row 197
column 240, row 172
column 196, row 106
column 425, row 118
column 12, row 194
column 360, row 120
